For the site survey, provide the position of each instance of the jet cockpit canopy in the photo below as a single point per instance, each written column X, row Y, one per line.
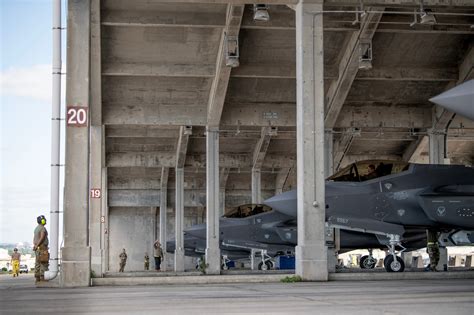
column 369, row 169
column 247, row 210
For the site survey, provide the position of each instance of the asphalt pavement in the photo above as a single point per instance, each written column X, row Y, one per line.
column 447, row 296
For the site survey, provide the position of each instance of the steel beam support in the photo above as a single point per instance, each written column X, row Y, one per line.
column 311, row 252
column 213, row 256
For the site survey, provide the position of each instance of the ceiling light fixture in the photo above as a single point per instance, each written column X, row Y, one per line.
column 426, row 15
column 260, row 13
column 231, row 51
column 365, row 55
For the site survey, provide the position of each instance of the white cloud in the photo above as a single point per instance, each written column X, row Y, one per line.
column 34, row 82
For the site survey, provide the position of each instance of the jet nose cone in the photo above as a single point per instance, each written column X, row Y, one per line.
column 285, row 203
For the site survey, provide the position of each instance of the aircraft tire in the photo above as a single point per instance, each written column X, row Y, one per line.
column 392, row 266
column 267, row 263
column 366, row 263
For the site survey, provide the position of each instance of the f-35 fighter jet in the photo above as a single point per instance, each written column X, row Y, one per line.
column 376, row 204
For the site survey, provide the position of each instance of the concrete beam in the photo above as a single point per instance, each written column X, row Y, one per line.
column 159, row 70
column 342, row 146
column 281, row 180
column 398, row 3
column 182, row 146
column 416, row 150
column 233, row 1
column 139, row 114
column 172, row 14
column 192, row 198
column 265, row 114
column 261, row 148
column 139, row 131
column 371, row 116
column 168, row 159
column 348, row 68
column 466, row 68
column 221, row 80
column 352, row 3
column 408, row 74
column 223, row 177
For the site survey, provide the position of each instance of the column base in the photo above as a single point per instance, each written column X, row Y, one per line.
column 179, row 260
column 443, row 259
column 311, row 262
column 213, row 259
column 332, row 260
column 75, row 267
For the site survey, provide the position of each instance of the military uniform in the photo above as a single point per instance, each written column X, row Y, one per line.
column 432, row 248
column 158, row 255
column 41, row 252
column 123, row 260
column 147, row 262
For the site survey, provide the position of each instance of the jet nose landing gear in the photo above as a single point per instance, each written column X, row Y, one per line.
column 392, row 262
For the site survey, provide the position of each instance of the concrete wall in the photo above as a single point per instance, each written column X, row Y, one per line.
column 132, row 229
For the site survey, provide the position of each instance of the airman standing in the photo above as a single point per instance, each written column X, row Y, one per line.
column 123, row 260
column 16, row 262
column 40, row 247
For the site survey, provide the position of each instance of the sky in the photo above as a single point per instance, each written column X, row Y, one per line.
column 25, row 115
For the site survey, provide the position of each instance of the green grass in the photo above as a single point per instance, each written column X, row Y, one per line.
column 291, row 279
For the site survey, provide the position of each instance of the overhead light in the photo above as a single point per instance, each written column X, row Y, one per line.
column 260, row 13
column 427, row 17
column 231, row 48
column 365, row 55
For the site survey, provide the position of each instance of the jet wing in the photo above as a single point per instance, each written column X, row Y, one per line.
column 245, row 244
column 365, row 225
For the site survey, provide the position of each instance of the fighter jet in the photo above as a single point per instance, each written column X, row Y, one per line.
column 459, row 99
column 376, row 204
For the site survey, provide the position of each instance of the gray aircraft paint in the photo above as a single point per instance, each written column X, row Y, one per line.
column 459, row 99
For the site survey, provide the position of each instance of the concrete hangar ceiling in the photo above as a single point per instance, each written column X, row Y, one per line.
column 164, row 78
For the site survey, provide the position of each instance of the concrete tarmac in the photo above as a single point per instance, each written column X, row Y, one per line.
column 448, row 296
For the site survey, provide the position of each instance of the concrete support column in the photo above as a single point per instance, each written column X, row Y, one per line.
column 104, row 226
column 256, row 186
column 179, row 251
column 154, row 215
column 328, row 171
column 163, row 216
column 436, row 150
column 311, row 252
column 328, row 153
column 436, row 147
column 213, row 254
column 76, row 254
column 95, row 201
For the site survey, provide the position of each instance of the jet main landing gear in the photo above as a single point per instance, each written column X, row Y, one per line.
column 392, row 262
column 368, row 261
